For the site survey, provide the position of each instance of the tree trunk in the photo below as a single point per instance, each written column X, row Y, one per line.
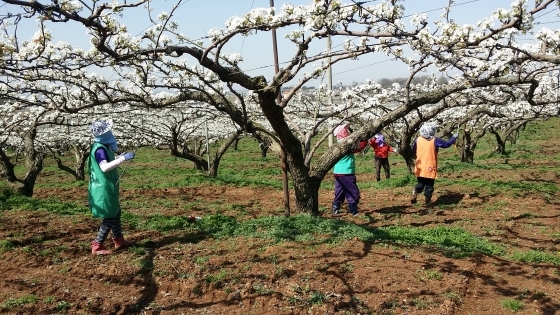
column 33, row 163
column 213, row 170
column 197, row 157
column 81, row 159
column 80, row 156
column 33, row 166
column 501, row 145
column 514, row 136
column 228, row 142
column 306, row 188
column 7, row 171
column 264, row 149
column 466, row 154
column 469, row 154
column 406, row 152
column 306, row 193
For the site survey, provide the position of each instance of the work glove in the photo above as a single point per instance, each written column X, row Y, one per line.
column 128, row 156
column 395, row 150
column 455, row 135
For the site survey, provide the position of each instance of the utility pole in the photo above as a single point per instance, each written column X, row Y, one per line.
column 283, row 160
column 207, row 146
column 329, row 82
column 558, row 88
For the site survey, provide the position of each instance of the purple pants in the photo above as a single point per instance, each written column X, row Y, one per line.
column 345, row 187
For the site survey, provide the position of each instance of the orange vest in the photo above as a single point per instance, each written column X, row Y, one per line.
column 426, row 158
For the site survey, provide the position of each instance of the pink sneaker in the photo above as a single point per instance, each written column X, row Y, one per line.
column 121, row 243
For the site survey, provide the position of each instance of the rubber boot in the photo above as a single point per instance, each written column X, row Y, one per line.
column 414, row 195
column 353, row 208
column 335, row 208
column 427, row 200
column 99, row 249
column 121, row 243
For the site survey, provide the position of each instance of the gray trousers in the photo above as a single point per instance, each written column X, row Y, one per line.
column 108, row 225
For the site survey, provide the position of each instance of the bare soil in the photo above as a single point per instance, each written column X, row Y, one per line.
column 180, row 273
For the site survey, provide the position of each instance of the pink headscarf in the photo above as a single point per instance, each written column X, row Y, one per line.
column 341, row 131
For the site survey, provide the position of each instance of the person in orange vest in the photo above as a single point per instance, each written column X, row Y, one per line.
column 426, row 148
column 381, row 152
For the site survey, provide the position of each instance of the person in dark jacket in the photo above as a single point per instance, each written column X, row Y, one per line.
column 103, row 190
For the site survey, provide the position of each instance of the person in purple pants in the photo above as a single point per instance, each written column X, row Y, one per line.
column 344, row 171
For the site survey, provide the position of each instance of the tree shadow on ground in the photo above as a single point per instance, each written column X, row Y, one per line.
column 448, row 199
column 290, row 229
column 533, row 216
column 147, row 279
column 392, row 210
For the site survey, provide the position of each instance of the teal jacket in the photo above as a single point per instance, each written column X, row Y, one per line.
column 347, row 164
column 103, row 190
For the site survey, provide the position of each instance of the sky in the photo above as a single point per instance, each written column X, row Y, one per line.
column 197, row 17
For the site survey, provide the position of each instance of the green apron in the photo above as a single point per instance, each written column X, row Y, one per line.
column 103, row 191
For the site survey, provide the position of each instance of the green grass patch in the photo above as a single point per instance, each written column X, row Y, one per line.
column 452, row 241
column 9, row 201
column 18, row 302
column 512, row 305
column 535, row 257
column 6, row 245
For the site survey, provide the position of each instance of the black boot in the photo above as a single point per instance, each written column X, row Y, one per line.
column 353, row 208
column 414, row 195
column 428, row 200
column 335, row 208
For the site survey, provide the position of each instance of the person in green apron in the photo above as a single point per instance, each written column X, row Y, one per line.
column 103, row 190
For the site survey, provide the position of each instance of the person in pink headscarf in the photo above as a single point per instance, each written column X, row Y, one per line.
column 345, row 186
column 381, row 151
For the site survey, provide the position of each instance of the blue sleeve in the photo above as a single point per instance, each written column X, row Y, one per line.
column 100, row 155
column 440, row 143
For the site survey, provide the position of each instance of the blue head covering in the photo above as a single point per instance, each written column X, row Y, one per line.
column 380, row 139
column 428, row 130
column 101, row 131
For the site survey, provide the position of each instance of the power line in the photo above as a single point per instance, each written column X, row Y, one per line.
column 542, row 23
column 371, row 64
column 453, row 5
column 243, row 42
column 198, row 18
column 545, row 13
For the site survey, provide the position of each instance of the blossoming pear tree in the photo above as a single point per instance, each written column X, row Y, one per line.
column 483, row 54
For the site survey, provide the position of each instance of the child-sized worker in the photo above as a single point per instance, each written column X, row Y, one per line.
column 381, row 152
column 345, row 185
column 103, row 190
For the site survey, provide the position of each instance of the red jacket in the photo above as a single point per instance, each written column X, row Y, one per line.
column 380, row 152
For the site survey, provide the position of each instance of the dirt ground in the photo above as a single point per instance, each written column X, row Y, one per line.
column 178, row 273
